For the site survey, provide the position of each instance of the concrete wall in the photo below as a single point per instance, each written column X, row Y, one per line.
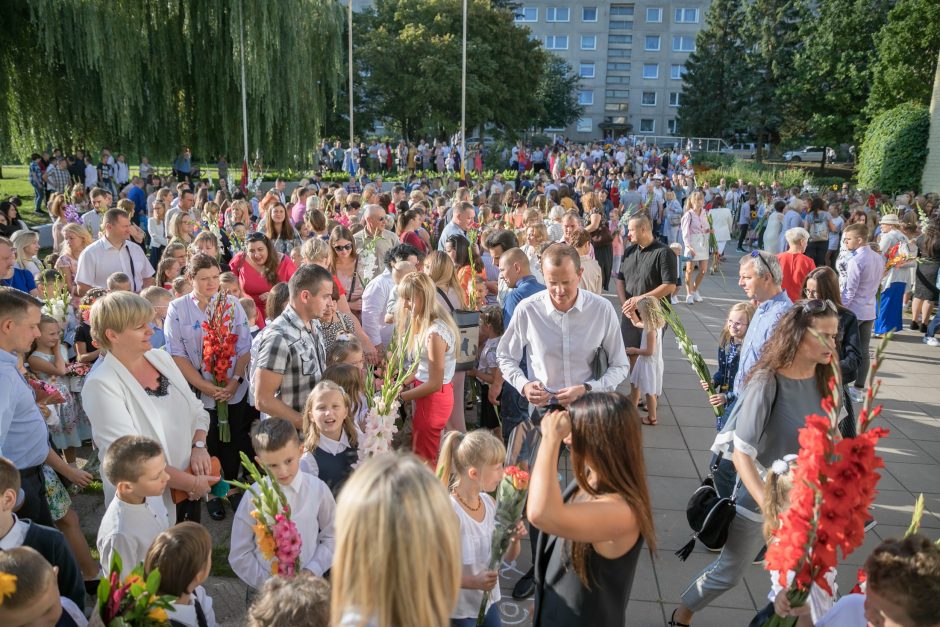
column 931, row 178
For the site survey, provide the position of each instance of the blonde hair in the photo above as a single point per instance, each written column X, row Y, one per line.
column 21, row 239
column 396, row 506
column 462, row 451
column 650, row 312
column 311, row 431
column 116, row 312
column 776, row 498
column 78, row 231
column 419, row 287
column 748, row 310
column 443, row 273
column 696, row 200
column 154, row 293
column 541, row 232
column 315, row 249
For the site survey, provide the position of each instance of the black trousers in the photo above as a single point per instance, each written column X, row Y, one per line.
column 742, row 235
column 35, row 506
column 604, row 255
column 241, row 416
column 189, row 510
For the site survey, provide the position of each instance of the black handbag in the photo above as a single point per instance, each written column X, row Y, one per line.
column 709, row 515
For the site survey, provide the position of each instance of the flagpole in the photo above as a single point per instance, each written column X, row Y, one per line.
column 463, row 99
column 241, row 46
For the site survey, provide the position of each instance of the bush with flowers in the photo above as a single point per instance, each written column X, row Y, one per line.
column 834, row 486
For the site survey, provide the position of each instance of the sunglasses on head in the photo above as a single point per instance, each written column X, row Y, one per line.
column 342, row 247
column 755, row 254
column 817, row 306
column 256, row 237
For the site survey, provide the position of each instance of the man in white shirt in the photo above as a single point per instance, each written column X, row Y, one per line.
column 112, row 253
column 373, row 242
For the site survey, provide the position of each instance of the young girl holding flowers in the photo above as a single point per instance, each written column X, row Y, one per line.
column 331, row 440
column 471, row 467
column 646, row 376
column 729, row 354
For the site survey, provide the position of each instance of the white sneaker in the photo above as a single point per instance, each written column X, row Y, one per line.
column 856, row 394
column 674, row 300
column 932, row 341
column 689, row 300
column 698, row 297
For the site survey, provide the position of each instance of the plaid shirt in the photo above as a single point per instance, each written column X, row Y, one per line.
column 58, row 178
column 295, row 352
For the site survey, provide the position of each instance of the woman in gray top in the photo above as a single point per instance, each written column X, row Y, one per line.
column 787, row 384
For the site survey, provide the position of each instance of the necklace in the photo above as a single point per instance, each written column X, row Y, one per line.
column 464, row 503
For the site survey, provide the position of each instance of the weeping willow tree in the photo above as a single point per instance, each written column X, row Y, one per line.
column 147, row 76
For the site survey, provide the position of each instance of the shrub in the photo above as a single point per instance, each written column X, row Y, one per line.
column 753, row 173
column 894, row 149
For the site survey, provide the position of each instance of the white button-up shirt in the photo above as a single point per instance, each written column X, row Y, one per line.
column 374, row 300
column 560, row 346
column 101, row 259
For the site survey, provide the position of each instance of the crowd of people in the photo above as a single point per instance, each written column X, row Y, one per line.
column 494, row 292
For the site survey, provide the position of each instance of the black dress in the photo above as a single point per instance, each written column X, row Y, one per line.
column 925, row 285
column 561, row 600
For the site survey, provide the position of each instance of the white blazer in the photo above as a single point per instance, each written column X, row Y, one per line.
column 117, row 405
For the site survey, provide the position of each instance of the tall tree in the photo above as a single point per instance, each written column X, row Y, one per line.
column 711, row 87
column 150, row 75
column 412, row 51
column 908, row 45
column 557, row 95
column 831, row 76
column 772, row 35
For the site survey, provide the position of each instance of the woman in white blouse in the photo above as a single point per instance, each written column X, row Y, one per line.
column 137, row 390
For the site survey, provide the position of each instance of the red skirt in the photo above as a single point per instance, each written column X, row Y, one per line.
column 431, row 415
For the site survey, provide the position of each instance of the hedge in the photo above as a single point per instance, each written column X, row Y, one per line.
column 894, row 149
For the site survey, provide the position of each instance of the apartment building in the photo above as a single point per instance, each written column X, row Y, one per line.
column 630, row 57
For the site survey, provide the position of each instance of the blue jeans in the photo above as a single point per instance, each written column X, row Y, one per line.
column 725, row 477
column 492, row 619
column 932, row 327
column 37, row 201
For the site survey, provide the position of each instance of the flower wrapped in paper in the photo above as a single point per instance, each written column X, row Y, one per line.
column 133, row 602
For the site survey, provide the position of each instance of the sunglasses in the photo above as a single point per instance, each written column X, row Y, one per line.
column 256, row 237
column 817, row 306
column 755, row 254
column 342, row 247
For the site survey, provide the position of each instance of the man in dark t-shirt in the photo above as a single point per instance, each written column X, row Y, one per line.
column 648, row 269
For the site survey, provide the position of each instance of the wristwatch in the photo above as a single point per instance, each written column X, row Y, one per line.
column 199, row 444
column 587, row 387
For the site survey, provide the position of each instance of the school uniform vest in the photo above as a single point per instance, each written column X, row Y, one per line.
column 335, row 469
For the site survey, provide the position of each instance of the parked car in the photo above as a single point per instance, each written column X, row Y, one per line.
column 807, row 153
column 745, row 151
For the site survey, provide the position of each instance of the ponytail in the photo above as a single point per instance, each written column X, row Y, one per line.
column 777, row 493
column 445, row 461
column 462, row 451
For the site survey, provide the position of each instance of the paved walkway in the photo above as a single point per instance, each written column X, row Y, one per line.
column 676, row 458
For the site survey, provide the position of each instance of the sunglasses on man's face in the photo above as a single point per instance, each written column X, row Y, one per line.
column 342, row 247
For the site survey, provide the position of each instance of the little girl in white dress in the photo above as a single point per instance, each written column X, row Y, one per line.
column 646, row 376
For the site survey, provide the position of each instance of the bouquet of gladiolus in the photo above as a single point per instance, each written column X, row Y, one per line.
column 277, row 535
column 894, row 258
column 218, row 352
column 510, row 499
column 690, row 350
column 833, row 488
column 381, row 421
column 133, row 602
column 57, row 305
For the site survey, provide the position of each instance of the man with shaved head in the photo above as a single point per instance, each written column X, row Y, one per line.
column 373, row 242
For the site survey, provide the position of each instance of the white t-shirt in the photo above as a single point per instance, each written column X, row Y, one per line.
column 450, row 359
column 130, row 530
column 849, row 611
column 476, row 539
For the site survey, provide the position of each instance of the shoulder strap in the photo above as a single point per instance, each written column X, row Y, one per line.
column 447, row 300
column 200, row 614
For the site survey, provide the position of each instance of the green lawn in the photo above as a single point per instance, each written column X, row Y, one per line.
column 15, row 182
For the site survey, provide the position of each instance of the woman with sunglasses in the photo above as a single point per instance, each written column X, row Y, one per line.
column 259, row 268
column 787, row 384
column 344, row 264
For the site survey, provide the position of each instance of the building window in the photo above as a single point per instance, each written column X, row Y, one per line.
column 674, row 97
column 683, row 43
column 654, row 15
column 686, row 16
column 647, row 126
column 616, row 106
column 586, row 70
column 672, row 126
column 588, row 42
column 585, row 125
column 618, row 67
column 556, row 42
column 527, row 14
column 649, row 99
column 621, row 11
column 586, row 97
column 620, row 25
column 617, row 93
column 588, row 14
column 619, row 52
column 653, row 43
column 620, row 39
column 676, row 72
column 557, row 14
column 650, row 70
column 618, row 80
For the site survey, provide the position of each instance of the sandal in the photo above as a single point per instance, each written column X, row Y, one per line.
column 649, row 421
column 672, row 620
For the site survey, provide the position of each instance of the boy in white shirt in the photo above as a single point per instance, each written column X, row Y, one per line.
column 136, row 467
column 313, row 509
